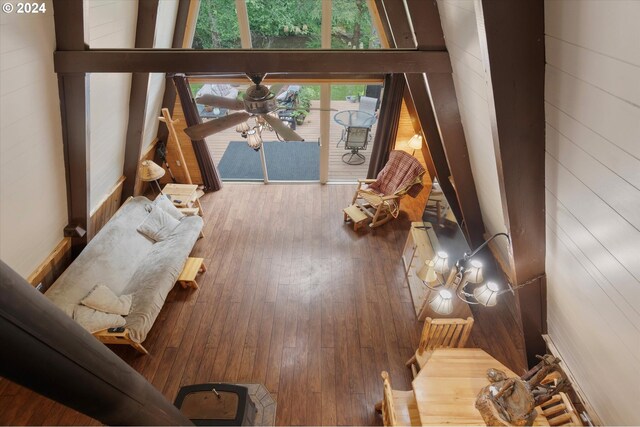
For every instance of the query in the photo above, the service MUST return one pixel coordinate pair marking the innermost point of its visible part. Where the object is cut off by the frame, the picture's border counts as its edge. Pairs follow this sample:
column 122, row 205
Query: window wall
column 284, row 24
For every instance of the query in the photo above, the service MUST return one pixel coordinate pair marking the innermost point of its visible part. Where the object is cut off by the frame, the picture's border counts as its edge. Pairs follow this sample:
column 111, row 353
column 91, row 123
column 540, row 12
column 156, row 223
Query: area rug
column 265, row 404
column 286, row 161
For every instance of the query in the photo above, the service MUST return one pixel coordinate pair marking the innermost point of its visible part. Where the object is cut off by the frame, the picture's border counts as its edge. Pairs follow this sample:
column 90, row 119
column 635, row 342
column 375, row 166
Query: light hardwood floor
column 294, row 299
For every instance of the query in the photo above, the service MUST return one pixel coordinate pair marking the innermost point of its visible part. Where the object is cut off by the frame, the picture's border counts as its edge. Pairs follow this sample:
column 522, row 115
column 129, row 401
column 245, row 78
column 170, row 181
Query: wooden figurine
column 513, row 401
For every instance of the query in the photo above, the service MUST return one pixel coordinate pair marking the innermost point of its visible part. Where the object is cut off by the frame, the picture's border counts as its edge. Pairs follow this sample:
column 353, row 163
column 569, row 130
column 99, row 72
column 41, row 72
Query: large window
column 284, row 24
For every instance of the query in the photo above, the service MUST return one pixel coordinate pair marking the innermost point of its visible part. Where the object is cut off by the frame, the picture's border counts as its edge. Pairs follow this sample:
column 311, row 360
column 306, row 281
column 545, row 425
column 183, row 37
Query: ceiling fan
column 258, row 102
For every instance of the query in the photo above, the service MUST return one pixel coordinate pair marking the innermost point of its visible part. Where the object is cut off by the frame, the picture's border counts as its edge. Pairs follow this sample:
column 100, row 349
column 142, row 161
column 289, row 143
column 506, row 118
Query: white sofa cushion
column 167, row 205
column 94, row 320
column 103, row 299
column 158, row 225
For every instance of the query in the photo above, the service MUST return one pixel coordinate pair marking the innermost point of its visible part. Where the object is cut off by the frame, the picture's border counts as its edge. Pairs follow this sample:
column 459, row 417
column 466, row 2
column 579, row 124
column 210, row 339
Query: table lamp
column 150, row 171
column 415, row 143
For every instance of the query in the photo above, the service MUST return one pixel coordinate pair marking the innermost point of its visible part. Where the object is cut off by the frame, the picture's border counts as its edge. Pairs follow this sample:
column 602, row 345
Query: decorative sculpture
column 513, row 401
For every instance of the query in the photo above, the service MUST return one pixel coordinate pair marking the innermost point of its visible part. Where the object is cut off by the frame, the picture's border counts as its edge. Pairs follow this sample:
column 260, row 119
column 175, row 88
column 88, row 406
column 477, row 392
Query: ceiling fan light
column 442, row 303
column 243, row 127
column 254, row 139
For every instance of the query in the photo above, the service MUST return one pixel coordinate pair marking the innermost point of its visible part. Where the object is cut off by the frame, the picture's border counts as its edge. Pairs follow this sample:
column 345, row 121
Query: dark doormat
column 286, row 161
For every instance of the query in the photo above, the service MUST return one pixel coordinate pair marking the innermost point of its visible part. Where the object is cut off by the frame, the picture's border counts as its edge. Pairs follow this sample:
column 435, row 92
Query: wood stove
column 216, row 404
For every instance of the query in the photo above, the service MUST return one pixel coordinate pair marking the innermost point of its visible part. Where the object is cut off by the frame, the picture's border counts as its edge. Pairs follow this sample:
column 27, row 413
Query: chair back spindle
column 444, row 333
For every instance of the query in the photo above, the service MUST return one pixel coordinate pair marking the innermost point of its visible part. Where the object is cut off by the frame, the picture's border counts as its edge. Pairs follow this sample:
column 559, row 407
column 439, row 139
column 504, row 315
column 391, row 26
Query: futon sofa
column 127, row 262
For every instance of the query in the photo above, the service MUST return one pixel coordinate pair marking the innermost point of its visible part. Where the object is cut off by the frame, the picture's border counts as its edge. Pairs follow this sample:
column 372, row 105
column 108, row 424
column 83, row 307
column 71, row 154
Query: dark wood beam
column 169, row 97
column 145, row 32
column 46, row 351
column 445, row 105
column 428, row 28
column 437, row 108
column 512, row 43
column 420, row 95
column 251, row 61
column 73, row 89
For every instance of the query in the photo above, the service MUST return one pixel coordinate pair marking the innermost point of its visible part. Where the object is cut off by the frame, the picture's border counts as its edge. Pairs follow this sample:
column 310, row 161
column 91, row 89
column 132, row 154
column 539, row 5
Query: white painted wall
column 461, row 36
column 165, row 22
column 111, row 24
column 593, row 198
column 33, row 204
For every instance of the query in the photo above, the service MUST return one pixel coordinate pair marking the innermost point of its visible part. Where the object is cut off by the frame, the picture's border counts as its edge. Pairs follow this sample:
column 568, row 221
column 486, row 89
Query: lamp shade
column 254, row 139
column 440, row 262
column 474, row 272
column 243, row 127
column 442, row 303
column 150, row 171
column 487, row 294
column 415, row 143
column 426, row 273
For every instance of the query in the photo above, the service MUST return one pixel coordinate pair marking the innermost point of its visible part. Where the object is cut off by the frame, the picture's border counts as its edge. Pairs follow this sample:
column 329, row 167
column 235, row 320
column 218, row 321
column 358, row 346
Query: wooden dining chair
column 440, row 333
column 398, row 407
column 559, row 411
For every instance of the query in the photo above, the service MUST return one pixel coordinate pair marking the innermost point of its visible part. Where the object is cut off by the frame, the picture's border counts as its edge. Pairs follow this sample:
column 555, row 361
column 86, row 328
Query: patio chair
column 378, row 200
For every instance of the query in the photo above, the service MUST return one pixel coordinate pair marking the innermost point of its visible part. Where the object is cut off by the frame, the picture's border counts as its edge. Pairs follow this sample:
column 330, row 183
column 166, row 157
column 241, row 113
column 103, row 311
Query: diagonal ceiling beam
column 437, row 108
column 145, row 32
column 512, row 45
column 250, row 61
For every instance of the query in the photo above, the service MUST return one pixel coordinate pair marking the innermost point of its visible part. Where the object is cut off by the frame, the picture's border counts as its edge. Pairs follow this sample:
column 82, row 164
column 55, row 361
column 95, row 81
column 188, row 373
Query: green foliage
column 284, row 24
column 217, row 25
column 340, row 92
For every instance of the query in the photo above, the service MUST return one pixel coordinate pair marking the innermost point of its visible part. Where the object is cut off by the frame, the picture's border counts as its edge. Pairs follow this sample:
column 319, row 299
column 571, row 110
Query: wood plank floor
column 293, row 299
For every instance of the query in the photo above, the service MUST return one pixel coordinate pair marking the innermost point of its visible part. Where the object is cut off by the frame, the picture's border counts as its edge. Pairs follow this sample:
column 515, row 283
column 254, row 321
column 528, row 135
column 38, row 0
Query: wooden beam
column 73, row 89
column 442, row 123
column 251, row 61
column 46, row 351
column 145, row 32
column 445, row 105
column 308, row 78
column 426, row 24
column 420, row 96
column 512, row 45
column 243, row 24
column 169, row 97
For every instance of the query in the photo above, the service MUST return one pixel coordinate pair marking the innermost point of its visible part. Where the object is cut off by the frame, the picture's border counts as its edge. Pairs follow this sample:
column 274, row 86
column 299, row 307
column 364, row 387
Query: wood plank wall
column 53, row 266
column 107, row 207
column 593, row 198
column 187, row 151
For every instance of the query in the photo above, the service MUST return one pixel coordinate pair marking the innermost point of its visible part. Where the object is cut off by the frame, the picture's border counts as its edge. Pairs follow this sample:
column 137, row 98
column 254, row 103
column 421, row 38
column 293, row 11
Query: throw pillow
column 158, row 225
column 94, row 321
column 167, row 205
column 103, row 299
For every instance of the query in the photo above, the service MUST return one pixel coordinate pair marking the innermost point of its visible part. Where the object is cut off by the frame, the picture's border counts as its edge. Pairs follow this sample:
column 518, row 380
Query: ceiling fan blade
column 283, row 130
column 203, row 130
column 220, row 101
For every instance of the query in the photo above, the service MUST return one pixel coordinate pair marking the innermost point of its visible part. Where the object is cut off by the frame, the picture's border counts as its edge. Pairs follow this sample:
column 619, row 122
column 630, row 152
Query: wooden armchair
column 378, row 199
column 559, row 411
column 440, row 333
column 398, row 408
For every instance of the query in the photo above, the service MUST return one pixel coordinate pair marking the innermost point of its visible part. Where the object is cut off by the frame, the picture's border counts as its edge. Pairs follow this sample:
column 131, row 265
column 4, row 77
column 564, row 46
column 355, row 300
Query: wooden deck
column 310, row 131
column 293, row 299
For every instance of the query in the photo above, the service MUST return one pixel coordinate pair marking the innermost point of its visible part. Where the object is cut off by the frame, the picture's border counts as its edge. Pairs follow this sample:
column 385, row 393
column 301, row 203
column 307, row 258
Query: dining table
column 447, row 386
